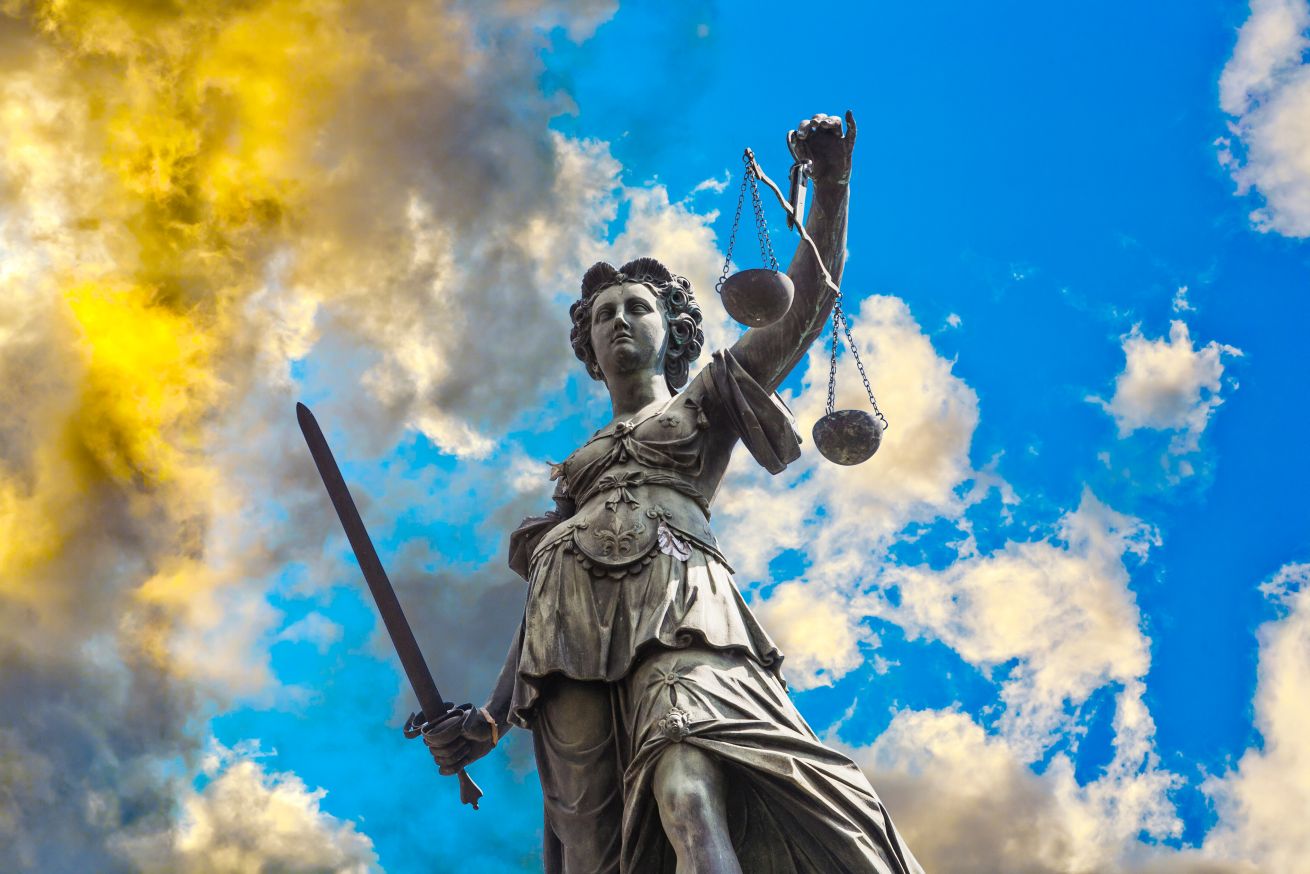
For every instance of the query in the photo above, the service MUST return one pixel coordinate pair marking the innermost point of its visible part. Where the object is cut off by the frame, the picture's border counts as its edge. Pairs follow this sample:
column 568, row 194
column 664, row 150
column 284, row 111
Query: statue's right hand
column 462, row 736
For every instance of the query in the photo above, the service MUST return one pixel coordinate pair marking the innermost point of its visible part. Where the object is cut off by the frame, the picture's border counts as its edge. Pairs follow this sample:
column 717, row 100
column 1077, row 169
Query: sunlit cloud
column 1168, row 384
column 1259, row 799
column 1265, row 88
column 247, row 818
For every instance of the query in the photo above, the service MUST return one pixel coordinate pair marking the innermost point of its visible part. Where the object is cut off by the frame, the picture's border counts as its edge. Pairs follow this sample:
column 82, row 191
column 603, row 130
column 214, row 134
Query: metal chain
column 761, row 224
column 832, row 367
column 868, row 389
column 732, row 238
column 839, row 317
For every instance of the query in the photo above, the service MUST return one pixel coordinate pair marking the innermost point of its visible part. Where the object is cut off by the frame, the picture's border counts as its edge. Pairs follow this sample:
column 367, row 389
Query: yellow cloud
column 147, row 378
column 191, row 194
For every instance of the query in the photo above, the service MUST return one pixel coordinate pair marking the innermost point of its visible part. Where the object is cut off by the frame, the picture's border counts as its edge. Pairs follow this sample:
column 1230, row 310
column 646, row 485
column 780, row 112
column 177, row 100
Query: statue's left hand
column 820, row 140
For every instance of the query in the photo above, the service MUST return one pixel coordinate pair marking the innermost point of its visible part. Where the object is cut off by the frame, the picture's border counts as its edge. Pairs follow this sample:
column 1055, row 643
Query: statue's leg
column 577, row 759
column 691, row 792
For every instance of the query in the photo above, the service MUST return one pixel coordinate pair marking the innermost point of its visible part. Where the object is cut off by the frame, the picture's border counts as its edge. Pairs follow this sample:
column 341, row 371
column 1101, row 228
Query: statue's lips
column 622, row 338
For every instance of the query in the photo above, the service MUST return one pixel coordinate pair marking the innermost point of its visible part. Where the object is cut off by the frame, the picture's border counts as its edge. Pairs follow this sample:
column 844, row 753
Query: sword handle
column 469, row 793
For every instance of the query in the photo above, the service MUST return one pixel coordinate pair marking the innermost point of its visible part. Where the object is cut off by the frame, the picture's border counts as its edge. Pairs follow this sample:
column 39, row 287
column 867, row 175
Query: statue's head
column 636, row 317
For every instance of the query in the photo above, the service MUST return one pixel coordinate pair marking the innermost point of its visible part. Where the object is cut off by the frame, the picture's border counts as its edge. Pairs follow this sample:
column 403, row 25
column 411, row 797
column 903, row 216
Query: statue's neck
column 630, row 393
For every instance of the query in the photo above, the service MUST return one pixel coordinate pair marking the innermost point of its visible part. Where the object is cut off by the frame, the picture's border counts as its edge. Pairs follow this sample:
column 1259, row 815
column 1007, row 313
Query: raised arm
column 769, row 353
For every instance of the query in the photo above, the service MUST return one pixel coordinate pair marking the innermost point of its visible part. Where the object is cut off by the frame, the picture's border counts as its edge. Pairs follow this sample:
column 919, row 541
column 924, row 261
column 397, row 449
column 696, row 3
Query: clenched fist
column 821, row 141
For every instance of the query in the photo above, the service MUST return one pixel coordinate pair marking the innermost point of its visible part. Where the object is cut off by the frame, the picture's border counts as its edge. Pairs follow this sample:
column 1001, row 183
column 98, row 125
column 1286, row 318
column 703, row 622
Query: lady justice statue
column 664, row 736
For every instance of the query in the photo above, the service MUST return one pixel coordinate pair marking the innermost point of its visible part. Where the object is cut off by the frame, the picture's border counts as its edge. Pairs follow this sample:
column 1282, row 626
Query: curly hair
column 673, row 291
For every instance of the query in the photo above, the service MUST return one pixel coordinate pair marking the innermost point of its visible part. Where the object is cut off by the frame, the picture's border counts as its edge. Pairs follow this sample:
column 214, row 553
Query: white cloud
column 817, row 632
column 842, row 519
column 1265, row 87
column 312, row 628
column 1054, row 615
column 968, row 804
column 1059, row 608
column 1263, row 802
column 1180, row 302
column 848, row 515
column 249, row 820
column 1168, row 384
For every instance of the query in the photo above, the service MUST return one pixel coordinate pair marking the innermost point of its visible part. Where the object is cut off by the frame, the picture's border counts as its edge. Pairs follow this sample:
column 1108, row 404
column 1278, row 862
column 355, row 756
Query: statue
column 664, row 736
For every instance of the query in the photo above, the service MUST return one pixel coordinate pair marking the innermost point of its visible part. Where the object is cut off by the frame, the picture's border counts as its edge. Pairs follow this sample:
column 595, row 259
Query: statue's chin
column 627, row 358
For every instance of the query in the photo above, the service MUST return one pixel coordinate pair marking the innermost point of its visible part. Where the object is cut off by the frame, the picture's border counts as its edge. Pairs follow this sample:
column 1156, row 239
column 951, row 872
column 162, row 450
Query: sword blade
column 402, row 638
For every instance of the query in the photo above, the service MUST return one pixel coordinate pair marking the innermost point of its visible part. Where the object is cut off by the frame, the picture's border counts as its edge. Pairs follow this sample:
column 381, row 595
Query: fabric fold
column 765, row 425
column 524, row 539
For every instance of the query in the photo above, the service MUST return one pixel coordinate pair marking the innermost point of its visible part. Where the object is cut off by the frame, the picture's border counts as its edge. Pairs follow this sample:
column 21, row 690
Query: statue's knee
column 689, row 789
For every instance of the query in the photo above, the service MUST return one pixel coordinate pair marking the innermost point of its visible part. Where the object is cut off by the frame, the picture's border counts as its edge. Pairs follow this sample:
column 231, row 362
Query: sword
column 402, row 638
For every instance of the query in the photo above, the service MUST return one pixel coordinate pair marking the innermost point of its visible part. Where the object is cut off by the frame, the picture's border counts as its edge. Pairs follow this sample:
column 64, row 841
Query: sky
column 1061, row 619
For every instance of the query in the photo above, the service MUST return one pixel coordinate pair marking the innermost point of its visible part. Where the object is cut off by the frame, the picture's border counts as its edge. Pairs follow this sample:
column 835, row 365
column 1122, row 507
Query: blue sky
column 1047, row 174
column 1061, row 618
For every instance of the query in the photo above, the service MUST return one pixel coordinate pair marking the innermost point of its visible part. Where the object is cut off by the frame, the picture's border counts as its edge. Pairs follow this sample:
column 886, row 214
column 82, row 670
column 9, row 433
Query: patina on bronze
column 758, row 296
column 847, row 436
column 664, row 736
column 430, row 702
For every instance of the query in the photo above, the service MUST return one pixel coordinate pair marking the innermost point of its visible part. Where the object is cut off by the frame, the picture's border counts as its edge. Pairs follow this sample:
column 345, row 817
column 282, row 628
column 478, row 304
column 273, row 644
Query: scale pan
column 757, row 297
column 847, row 436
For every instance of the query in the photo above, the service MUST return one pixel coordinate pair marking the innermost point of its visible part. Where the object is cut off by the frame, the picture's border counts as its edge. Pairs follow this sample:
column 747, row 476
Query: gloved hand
column 464, row 735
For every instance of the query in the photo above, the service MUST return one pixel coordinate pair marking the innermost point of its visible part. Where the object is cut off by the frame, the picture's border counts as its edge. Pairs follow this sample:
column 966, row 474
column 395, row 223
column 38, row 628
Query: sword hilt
column 469, row 793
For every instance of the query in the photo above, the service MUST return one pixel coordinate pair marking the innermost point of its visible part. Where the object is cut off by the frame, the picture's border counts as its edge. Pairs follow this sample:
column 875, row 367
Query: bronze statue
column 664, row 736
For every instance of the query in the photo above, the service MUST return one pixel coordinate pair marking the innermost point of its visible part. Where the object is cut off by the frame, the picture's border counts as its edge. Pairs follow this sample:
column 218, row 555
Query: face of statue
column 629, row 330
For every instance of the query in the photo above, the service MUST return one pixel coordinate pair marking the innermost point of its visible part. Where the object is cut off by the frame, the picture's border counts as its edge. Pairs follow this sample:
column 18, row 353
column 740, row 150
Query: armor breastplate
column 627, row 520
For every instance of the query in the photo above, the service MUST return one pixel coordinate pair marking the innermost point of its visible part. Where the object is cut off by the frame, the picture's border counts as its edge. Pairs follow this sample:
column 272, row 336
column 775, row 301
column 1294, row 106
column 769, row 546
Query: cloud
column 968, row 804
column 1262, row 800
column 817, row 631
column 1051, row 619
column 182, row 217
column 1059, row 610
column 1168, row 384
column 968, row 801
column 312, row 628
column 1265, row 87
column 923, row 459
column 843, row 519
column 248, row 819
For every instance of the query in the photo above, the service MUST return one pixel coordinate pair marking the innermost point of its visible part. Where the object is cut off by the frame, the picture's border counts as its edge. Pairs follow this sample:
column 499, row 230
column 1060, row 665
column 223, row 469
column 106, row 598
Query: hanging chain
column 732, row 238
column 832, row 367
column 761, row 224
column 749, row 181
column 855, row 353
column 839, row 317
